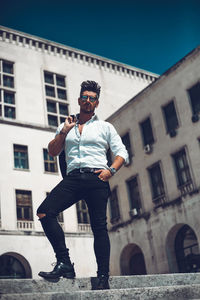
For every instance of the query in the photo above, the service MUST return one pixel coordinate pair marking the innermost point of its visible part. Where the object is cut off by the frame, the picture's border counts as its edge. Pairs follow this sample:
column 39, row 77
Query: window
column 82, row 212
column 50, row 162
column 50, row 91
column 114, row 206
column 24, row 205
column 147, row 133
column 56, row 98
column 8, row 67
column 157, row 185
column 8, row 81
column 11, row 267
column 7, row 92
column 60, row 80
column 126, row 141
column 183, row 174
column 187, row 250
column 21, row 157
column 170, row 116
column 9, row 97
column 182, row 167
column 134, row 195
column 194, row 93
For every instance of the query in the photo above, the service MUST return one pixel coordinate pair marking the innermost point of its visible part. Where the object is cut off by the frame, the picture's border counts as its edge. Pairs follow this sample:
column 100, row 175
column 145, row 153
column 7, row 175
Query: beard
column 87, row 109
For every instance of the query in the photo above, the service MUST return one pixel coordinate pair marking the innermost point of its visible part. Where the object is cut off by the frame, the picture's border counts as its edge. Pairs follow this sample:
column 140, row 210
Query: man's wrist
column 63, row 132
column 112, row 171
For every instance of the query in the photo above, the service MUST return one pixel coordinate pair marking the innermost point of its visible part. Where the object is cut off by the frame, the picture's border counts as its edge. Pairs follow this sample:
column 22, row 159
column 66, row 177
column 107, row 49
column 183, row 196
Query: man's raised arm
column 56, row 145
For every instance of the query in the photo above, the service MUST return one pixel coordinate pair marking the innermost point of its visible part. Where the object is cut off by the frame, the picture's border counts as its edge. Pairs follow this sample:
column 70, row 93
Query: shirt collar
column 94, row 118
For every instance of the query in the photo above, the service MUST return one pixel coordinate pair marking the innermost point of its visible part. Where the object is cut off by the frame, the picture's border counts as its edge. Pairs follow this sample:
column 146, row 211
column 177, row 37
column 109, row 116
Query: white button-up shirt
column 88, row 149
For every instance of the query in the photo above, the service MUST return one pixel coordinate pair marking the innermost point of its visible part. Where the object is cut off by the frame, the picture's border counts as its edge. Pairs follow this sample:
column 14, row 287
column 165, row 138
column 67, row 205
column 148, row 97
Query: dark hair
column 90, row 85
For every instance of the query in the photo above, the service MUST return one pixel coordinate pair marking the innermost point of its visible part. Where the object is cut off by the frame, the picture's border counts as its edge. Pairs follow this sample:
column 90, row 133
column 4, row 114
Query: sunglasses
column 91, row 99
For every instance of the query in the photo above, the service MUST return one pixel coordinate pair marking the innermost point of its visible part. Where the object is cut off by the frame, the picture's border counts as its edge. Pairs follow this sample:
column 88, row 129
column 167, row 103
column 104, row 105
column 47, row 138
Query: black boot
column 102, row 283
column 60, row 270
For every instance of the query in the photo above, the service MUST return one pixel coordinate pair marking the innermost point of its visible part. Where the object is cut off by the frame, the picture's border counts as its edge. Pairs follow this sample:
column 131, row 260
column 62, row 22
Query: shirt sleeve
column 115, row 143
column 58, row 130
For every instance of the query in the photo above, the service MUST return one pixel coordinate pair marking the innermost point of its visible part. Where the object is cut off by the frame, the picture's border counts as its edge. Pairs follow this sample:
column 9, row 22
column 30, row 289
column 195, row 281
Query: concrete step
column 14, row 286
column 181, row 292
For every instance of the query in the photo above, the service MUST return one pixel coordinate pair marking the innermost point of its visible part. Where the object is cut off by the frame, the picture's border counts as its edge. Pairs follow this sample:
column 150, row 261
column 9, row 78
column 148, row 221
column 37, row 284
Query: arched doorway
column 132, row 261
column 13, row 265
column 187, row 250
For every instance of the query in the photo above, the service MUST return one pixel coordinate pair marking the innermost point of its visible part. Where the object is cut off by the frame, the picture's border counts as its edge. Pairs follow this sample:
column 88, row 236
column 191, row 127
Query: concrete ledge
column 159, row 293
column 14, row 286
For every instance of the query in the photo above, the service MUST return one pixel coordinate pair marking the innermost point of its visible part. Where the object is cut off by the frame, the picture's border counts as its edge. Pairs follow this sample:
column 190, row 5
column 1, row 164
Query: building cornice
column 156, row 82
column 39, row 233
column 26, row 125
column 21, row 39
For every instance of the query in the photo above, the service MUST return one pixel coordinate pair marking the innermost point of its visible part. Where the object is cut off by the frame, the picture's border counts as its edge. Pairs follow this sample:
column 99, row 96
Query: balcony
column 25, row 225
column 84, row 227
column 186, row 188
column 159, row 200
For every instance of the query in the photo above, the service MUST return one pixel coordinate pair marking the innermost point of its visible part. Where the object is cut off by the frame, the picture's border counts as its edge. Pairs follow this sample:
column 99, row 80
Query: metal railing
column 161, row 199
column 186, row 188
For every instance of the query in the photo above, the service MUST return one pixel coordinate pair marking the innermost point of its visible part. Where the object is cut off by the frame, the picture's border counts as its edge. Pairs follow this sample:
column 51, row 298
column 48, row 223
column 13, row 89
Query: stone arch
column 181, row 258
column 14, row 262
column 132, row 260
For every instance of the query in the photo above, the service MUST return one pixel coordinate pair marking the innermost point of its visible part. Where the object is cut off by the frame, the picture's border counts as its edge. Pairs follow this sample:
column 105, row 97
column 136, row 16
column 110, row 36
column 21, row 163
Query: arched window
column 187, row 250
column 11, row 267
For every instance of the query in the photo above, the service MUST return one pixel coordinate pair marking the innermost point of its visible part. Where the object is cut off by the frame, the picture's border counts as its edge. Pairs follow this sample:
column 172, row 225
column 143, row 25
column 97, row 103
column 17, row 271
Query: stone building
column 155, row 203
column 39, row 85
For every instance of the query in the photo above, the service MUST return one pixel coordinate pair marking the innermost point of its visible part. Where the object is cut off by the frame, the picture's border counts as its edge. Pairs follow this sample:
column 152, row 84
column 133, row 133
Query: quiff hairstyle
column 90, row 85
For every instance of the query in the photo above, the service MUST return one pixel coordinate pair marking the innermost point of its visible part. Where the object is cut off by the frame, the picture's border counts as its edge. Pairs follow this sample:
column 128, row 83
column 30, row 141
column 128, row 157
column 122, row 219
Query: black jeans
column 70, row 190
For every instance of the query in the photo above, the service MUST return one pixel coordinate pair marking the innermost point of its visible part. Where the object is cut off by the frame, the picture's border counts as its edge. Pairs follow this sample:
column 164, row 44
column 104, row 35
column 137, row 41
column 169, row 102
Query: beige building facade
column 155, row 203
column 39, row 85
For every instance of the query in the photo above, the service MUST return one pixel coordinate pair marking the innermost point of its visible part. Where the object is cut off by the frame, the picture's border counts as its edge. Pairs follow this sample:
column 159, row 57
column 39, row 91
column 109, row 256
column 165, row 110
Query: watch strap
column 112, row 171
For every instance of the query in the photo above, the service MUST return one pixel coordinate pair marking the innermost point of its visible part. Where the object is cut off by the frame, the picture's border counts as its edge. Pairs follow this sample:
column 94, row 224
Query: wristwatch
column 112, row 171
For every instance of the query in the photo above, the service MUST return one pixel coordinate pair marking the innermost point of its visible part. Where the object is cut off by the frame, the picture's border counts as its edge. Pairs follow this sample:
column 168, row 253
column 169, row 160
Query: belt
column 83, row 170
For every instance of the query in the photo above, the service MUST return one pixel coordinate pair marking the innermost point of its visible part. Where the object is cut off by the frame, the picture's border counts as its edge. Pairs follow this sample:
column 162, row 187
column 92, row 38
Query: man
column 85, row 140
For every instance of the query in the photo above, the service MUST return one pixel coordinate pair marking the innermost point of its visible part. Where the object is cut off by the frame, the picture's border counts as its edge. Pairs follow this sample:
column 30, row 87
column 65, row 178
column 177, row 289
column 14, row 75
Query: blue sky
column 148, row 34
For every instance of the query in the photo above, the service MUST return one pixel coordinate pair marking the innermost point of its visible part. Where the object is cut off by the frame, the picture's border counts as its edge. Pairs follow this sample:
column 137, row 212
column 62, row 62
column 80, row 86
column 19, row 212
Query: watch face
column 113, row 171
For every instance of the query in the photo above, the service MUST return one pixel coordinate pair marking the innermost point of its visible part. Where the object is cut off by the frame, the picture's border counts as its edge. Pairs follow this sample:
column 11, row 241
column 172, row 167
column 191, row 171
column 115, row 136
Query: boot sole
column 66, row 275
column 69, row 275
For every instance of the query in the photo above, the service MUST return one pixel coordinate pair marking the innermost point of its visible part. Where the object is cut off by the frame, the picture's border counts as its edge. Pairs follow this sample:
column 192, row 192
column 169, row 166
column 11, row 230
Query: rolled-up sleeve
column 59, row 128
column 116, row 145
